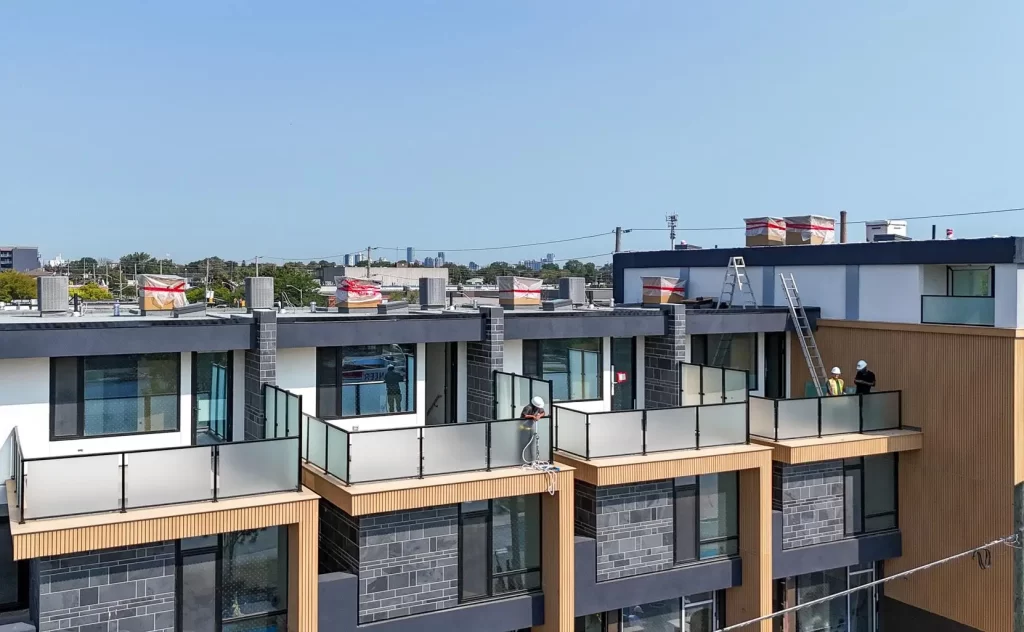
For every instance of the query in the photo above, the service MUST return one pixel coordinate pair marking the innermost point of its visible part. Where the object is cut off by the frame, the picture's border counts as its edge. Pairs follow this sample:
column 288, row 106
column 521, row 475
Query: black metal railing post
column 899, row 409
column 722, row 371
column 420, row 434
column 747, row 441
column 348, row 452
column 298, row 443
column 819, row 417
column 487, row 443
column 215, row 456
column 696, row 427
column 643, row 432
column 21, row 518
column 586, row 430
column 775, row 417
column 124, row 466
column 860, row 413
column 327, row 450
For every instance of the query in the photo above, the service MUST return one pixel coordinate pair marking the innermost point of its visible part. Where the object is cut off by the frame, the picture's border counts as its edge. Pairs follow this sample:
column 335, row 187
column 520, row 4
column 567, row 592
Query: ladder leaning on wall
column 803, row 330
column 735, row 279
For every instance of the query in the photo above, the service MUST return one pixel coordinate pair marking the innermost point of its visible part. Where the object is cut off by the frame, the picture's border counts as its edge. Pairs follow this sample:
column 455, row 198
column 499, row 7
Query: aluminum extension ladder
column 803, row 329
column 735, row 279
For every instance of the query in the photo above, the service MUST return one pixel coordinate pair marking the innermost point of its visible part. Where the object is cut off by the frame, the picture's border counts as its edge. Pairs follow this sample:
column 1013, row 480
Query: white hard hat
column 538, row 402
column 836, row 371
column 862, row 365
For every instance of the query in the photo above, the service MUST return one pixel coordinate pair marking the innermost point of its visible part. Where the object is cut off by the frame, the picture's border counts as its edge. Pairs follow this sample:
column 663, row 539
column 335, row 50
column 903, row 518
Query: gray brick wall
column 811, row 501
column 260, row 369
column 339, row 540
column 586, row 509
column 633, row 526
column 482, row 360
column 115, row 590
column 662, row 355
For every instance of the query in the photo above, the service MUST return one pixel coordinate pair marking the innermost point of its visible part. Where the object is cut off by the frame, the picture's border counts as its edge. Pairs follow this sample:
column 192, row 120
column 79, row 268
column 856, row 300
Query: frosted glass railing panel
column 958, row 310
column 613, row 434
column 270, row 408
column 543, row 430
column 503, row 396
column 840, row 415
column 316, row 441
column 762, row 417
column 671, row 429
column 690, row 384
column 62, row 487
column 337, row 452
column 384, row 455
column 881, row 411
column 735, row 386
column 712, row 384
column 797, row 418
column 725, row 424
column 454, row 448
column 294, row 412
column 521, row 395
column 258, row 467
column 279, row 429
column 571, row 431
column 168, row 477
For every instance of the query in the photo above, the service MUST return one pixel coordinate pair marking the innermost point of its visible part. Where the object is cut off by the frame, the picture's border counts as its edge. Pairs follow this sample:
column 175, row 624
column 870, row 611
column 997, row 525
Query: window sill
column 707, row 560
column 143, row 433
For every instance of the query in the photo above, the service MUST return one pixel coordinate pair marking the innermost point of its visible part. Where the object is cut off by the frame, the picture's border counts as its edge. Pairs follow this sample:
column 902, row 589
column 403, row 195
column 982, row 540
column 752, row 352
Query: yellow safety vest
column 836, row 386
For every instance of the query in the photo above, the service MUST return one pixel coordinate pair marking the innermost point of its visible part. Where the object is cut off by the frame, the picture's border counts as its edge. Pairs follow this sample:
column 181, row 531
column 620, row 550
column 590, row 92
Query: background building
column 19, row 258
column 410, row 254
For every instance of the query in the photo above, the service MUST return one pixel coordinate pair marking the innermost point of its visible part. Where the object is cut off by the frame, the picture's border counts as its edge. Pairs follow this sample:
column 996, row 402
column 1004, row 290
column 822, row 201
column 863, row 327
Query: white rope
column 541, row 466
column 1009, row 540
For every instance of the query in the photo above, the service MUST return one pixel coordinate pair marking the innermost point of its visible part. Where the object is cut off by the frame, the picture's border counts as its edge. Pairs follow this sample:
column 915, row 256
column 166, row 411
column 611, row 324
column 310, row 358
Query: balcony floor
column 621, row 470
column 843, row 446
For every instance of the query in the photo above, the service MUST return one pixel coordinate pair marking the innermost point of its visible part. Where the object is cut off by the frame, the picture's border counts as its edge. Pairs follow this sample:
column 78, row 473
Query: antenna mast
column 672, row 221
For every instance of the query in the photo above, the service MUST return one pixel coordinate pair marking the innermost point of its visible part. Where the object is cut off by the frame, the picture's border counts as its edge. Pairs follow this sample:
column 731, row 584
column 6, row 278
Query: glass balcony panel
column 798, row 418
column 881, row 411
column 690, row 384
column 735, row 386
column 840, row 415
column 258, row 467
column 725, row 424
column 572, row 431
column 762, row 417
column 278, row 429
column 316, row 440
column 617, row 433
column 384, row 455
column 712, row 385
column 454, row 448
column 958, row 310
column 503, row 405
column 337, row 452
column 671, row 429
column 62, row 487
column 167, row 477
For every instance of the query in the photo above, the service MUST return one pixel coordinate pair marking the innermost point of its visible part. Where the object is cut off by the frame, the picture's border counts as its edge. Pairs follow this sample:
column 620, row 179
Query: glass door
column 775, row 364
column 211, row 398
column 623, row 373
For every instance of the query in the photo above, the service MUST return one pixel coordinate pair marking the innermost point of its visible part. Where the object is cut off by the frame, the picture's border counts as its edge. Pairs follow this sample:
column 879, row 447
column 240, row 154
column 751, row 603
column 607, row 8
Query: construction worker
column 865, row 379
column 393, row 385
column 528, row 418
column 836, row 385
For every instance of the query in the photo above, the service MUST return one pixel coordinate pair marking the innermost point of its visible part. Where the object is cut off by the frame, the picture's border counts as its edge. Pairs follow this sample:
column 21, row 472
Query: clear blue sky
column 304, row 129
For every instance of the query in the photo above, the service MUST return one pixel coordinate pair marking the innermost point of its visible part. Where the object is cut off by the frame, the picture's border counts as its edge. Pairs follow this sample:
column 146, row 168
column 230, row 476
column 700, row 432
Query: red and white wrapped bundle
column 661, row 290
column 765, row 231
column 518, row 290
column 161, row 292
column 353, row 292
column 810, row 229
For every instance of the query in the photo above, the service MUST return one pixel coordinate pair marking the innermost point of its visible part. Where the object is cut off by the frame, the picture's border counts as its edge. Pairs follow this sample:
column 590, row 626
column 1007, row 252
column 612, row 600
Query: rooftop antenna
column 672, row 221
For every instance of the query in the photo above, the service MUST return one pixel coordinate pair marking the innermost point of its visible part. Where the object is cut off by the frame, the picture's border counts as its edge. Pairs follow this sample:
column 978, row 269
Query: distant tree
column 91, row 292
column 16, row 286
column 196, row 295
column 296, row 283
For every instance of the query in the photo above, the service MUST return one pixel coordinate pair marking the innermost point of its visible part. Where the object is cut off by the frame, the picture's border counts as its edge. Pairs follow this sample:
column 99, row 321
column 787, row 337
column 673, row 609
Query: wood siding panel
column 842, row 446
column 959, row 386
column 665, row 465
column 753, row 597
column 559, row 557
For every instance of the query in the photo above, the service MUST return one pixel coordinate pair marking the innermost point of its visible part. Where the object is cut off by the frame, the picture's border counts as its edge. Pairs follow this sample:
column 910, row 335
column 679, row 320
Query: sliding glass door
column 211, row 397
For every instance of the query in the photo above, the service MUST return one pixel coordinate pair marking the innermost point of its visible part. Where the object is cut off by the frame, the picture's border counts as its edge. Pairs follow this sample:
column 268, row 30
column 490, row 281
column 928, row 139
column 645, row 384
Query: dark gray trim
column 710, row 321
column 897, row 616
column 990, row 250
column 852, row 292
column 593, row 596
column 338, row 608
column 581, row 324
column 81, row 339
column 323, row 332
column 873, row 547
column 768, row 291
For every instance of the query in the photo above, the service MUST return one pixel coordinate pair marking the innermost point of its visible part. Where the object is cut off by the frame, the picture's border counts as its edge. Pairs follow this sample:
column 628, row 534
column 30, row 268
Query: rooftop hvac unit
column 872, row 230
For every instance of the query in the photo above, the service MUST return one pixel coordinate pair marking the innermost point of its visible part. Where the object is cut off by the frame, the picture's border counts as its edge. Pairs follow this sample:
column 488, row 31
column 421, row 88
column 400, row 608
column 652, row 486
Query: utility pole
column 618, row 239
column 257, row 266
column 673, row 221
column 367, row 263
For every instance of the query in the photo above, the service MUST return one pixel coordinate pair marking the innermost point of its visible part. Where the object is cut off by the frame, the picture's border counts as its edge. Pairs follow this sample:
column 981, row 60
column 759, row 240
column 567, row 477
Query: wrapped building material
column 352, row 293
column 518, row 291
column 159, row 293
column 810, row 229
column 661, row 290
column 766, row 231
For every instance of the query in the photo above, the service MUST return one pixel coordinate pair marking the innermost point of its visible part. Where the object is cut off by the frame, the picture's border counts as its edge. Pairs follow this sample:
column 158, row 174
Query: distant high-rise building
column 473, row 266
column 360, row 258
column 19, row 258
column 550, row 258
column 439, row 262
column 410, row 254
column 350, row 260
column 428, row 262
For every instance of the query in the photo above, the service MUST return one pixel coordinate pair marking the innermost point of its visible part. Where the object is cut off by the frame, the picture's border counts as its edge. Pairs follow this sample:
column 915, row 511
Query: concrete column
column 482, row 360
column 662, row 355
column 260, row 369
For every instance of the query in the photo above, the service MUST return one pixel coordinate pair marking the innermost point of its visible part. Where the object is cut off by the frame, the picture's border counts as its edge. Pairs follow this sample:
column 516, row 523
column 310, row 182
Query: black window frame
column 218, row 550
column 339, row 358
column 536, row 370
column 701, row 342
column 229, row 386
column 951, row 270
column 491, row 575
column 855, row 466
column 680, row 486
column 80, row 401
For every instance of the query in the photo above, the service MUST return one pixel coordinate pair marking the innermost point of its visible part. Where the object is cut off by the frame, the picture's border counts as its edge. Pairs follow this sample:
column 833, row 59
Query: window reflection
column 366, row 380
column 573, row 365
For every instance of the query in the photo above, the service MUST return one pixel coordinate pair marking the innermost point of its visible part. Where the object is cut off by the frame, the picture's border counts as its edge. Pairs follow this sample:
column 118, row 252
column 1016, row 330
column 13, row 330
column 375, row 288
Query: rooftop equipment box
column 766, row 231
column 159, row 293
column 810, row 229
column 354, row 293
column 518, row 291
column 885, row 227
column 661, row 290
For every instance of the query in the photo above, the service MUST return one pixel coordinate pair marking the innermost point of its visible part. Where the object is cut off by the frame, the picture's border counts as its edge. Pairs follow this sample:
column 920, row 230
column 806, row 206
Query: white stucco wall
column 639, row 372
column 819, row 286
column 512, row 357
column 1006, row 291
column 890, row 294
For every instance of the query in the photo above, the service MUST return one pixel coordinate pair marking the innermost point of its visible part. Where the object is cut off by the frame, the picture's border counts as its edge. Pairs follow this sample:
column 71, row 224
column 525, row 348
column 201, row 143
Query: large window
column 234, row 582
column 211, row 397
column 499, row 547
column 870, row 488
column 970, row 281
column 365, row 380
column 853, row 613
column 97, row 396
column 706, row 516
column 574, row 366
column 732, row 351
column 695, row 613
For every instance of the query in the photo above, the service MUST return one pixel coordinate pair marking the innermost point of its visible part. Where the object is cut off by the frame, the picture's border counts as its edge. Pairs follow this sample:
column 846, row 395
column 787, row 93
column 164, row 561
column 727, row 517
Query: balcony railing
column 703, row 384
column 281, row 411
column 958, row 310
column 513, row 392
column 641, row 432
column 397, row 453
column 781, row 419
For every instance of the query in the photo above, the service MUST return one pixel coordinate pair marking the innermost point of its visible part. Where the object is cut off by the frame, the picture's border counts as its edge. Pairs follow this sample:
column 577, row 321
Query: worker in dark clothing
column 531, row 414
column 865, row 379
column 393, row 385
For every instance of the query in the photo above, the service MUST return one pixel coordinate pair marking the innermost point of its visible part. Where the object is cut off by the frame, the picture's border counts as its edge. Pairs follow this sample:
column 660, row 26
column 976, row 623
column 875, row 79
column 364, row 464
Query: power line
column 1010, row 540
column 509, row 247
column 938, row 216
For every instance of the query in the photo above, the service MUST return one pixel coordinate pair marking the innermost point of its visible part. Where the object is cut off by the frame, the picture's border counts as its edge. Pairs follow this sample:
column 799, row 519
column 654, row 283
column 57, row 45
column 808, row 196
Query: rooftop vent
column 574, row 289
column 432, row 292
column 885, row 230
column 259, row 292
column 53, row 294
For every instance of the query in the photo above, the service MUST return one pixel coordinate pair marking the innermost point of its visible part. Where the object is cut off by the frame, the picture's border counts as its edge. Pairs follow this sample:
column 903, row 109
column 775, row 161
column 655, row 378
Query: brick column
column 482, row 359
column 662, row 355
column 260, row 369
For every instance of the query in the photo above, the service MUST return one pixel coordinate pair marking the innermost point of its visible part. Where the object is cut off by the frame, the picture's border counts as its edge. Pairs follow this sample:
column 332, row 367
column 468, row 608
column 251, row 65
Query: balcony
column 702, row 384
column 958, row 310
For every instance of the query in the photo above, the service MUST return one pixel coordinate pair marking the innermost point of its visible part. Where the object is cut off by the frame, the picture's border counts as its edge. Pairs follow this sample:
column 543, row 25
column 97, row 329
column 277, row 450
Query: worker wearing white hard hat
column 865, row 379
column 836, row 385
column 532, row 413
